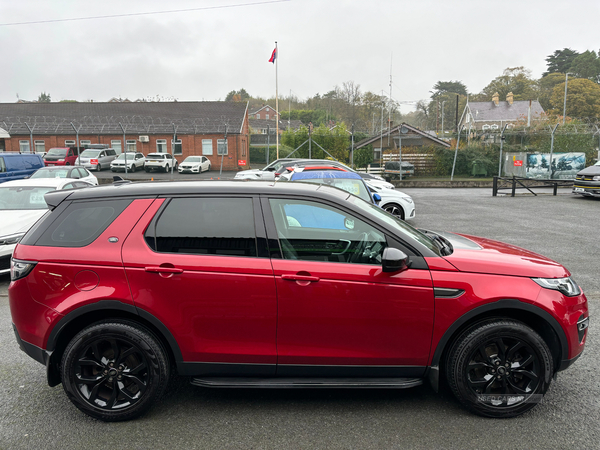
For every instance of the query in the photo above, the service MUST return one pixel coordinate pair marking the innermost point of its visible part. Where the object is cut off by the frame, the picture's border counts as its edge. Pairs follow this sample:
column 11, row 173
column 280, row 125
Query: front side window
column 205, row 226
column 161, row 145
column 314, row 231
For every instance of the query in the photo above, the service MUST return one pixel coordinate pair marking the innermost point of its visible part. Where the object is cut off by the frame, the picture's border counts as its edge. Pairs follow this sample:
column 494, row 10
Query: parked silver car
column 96, row 159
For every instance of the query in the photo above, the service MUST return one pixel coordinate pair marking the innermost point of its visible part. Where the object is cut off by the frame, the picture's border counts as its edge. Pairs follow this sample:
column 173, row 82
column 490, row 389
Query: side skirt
column 303, row 383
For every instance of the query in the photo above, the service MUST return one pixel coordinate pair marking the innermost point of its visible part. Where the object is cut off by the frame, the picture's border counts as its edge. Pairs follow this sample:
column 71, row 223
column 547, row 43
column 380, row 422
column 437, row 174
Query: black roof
column 136, row 118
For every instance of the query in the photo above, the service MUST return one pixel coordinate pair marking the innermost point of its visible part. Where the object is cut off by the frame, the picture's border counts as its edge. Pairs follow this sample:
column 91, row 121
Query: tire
column 114, row 370
column 395, row 210
column 147, row 170
column 208, row 170
column 499, row 368
column 132, row 168
column 98, row 167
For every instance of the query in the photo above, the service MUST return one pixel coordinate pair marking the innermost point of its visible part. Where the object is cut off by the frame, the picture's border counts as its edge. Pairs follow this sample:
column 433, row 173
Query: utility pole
column 443, row 118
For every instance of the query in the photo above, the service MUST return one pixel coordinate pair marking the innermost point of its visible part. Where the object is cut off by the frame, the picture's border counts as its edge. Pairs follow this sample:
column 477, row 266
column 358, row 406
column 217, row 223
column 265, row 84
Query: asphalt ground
column 565, row 228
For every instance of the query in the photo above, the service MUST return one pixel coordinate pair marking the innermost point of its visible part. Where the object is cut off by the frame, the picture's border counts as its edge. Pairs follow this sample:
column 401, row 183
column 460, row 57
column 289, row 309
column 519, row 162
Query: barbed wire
column 135, row 124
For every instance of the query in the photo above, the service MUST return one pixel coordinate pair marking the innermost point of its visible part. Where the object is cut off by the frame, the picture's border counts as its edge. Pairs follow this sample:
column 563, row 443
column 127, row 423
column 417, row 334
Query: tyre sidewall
column 158, row 368
column 467, row 343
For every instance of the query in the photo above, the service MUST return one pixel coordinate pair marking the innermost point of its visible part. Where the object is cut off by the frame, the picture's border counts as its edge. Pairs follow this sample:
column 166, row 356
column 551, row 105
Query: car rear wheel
column 499, row 368
column 114, row 370
column 395, row 210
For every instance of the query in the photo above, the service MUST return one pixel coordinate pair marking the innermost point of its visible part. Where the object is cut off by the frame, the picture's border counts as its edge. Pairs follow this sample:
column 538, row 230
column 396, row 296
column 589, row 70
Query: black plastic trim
column 447, row 292
column 500, row 304
column 33, row 351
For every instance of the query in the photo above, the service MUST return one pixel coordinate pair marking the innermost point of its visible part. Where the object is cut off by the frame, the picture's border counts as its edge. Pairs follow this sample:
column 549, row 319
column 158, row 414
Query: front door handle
column 300, row 278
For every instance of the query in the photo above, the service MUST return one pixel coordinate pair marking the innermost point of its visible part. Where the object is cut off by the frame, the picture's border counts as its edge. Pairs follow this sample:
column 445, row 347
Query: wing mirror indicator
column 394, row 260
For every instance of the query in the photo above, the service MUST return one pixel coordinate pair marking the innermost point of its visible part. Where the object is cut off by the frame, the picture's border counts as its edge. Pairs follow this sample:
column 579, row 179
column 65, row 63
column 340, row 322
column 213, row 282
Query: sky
column 211, row 47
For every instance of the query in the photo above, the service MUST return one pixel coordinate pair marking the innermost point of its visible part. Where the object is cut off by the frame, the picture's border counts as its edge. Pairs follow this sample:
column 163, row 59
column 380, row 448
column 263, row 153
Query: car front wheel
column 499, row 368
column 114, row 370
column 395, row 210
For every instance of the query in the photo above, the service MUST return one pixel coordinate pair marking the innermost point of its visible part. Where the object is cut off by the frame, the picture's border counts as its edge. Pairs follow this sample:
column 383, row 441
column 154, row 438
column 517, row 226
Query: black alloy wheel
column 395, row 210
column 500, row 368
column 114, row 371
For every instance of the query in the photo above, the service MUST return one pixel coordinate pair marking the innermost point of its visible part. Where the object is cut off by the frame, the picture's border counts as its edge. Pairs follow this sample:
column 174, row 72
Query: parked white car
column 135, row 161
column 395, row 202
column 194, row 164
column 21, row 205
column 75, row 172
column 160, row 161
column 376, row 180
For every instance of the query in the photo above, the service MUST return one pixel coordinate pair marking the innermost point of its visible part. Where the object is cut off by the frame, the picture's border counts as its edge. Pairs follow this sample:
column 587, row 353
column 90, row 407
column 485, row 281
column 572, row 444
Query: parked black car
column 587, row 182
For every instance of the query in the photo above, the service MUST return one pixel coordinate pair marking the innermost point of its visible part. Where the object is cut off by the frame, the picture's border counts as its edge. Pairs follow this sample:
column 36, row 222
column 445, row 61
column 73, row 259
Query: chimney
column 496, row 98
column 509, row 98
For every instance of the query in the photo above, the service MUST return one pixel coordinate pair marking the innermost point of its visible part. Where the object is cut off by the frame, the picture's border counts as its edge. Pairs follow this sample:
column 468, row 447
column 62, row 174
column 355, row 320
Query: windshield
column 129, row 156
column 90, row 153
column 400, row 226
column 192, row 159
column 50, row 173
column 23, row 197
column 57, row 152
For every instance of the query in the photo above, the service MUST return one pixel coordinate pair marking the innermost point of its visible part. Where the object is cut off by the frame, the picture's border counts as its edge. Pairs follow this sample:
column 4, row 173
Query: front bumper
column 586, row 189
column 182, row 169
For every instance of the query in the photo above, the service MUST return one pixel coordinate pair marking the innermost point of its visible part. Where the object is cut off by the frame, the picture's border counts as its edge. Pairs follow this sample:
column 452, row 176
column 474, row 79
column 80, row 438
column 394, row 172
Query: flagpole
column 277, row 98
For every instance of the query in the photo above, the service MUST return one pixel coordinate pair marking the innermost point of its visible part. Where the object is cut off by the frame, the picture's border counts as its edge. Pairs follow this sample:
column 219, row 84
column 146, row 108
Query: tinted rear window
column 206, row 226
column 81, row 223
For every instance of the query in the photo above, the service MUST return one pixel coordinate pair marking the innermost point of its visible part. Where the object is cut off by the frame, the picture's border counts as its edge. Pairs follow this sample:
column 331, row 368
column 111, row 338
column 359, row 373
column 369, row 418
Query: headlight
column 11, row 239
column 408, row 200
column 20, row 269
column 565, row 285
column 61, row 160
column 596, row 178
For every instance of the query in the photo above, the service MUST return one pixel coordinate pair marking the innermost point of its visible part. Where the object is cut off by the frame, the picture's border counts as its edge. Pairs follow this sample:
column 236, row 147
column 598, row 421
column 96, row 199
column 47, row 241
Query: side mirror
column 376, row 198
column 393, row 260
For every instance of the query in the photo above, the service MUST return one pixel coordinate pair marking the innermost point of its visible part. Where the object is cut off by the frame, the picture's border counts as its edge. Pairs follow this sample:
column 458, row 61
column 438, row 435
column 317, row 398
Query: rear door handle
column 158, row 269
column 299, row 278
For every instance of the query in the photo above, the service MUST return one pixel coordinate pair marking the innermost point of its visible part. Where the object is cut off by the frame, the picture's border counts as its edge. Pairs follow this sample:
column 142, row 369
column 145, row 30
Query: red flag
column 273, row 56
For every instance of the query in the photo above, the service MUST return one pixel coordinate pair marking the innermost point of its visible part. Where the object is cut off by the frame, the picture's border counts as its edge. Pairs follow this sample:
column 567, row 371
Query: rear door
column 200, row 266
column 339, row 314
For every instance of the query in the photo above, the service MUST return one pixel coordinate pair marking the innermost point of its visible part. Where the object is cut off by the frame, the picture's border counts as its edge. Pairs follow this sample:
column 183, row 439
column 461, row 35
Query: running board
column 300, row 383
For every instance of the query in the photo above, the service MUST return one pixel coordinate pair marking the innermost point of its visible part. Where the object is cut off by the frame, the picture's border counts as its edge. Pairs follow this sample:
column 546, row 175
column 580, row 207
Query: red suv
column 281, row 285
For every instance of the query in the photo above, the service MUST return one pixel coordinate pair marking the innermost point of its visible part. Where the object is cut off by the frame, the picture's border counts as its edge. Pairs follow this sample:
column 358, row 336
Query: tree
column 587, row 65
column 516, row 80
column 448, row 87
column 560, row 61
column 238, row 96
column 44, row 98
column 546, row 88
column 583, row 98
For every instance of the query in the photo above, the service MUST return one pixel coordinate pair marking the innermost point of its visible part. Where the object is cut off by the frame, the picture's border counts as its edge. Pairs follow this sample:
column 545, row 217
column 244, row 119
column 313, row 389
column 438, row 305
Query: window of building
column 494, row 127
column 161, row 146
column 221, row 147
column 131, row 145
column 40, row 146
column 69, row 143
column 485, row 127
column 24, row 147
column 176, row 146
column 116, row 145
column 316, row 232
column 205, row 226
column 267, row 117
column 207, row 147
column 84, row 142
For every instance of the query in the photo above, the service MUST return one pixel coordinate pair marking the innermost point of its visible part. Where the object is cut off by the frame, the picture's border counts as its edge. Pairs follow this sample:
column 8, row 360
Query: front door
column 339, row 314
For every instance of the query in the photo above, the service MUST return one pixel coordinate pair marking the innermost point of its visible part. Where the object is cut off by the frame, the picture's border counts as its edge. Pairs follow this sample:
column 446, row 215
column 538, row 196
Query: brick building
column 265, row 113
column 200, row 128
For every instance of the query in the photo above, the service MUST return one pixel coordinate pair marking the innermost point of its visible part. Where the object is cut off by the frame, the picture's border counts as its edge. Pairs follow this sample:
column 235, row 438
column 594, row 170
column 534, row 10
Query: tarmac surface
column 563, row 227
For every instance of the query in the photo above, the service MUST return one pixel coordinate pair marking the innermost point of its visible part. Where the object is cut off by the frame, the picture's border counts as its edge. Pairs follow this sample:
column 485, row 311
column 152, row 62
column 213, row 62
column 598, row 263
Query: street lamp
column 565, row 102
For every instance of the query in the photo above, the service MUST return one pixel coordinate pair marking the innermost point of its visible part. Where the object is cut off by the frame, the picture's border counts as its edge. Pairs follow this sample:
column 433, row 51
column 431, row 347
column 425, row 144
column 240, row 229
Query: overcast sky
column 225, row 45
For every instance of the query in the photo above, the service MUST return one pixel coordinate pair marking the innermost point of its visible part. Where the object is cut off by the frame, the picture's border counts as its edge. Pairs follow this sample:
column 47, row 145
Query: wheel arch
column 75, row 321
column 539, row 320
column 397, row 205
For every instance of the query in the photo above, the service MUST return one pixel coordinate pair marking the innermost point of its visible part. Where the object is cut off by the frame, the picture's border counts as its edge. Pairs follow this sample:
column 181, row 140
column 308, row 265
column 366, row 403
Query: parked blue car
column 16, row 166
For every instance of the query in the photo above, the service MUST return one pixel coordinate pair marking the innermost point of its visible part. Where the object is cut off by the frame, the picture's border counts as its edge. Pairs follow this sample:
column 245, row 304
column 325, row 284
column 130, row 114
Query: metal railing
column 513, row 183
